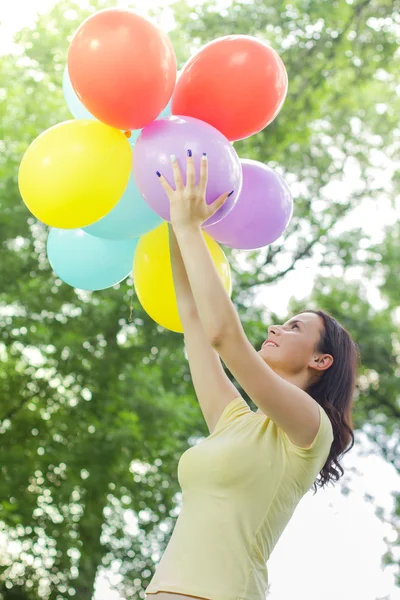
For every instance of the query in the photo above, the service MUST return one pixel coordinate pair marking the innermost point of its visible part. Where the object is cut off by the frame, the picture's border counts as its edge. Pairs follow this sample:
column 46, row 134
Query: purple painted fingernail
column 231, row 193
column 189, row 153
column 158, row 173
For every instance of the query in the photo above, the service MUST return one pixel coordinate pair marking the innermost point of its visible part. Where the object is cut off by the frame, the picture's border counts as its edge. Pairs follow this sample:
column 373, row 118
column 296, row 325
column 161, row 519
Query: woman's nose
column 273, row 329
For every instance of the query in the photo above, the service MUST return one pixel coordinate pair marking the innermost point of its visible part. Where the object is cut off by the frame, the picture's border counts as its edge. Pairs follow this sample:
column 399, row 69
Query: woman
column 242, row 484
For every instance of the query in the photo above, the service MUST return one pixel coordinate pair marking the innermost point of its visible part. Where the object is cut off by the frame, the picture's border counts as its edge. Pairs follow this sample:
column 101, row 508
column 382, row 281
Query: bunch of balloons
column 93, row 180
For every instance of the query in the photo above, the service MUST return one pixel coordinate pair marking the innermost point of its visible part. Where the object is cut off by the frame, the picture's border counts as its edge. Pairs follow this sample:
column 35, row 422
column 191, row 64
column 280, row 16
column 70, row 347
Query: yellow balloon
column 74, row 173
column 153, row 279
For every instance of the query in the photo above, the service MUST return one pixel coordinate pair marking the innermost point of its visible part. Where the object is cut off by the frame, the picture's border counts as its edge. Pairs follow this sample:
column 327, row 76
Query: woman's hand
column 188, row 207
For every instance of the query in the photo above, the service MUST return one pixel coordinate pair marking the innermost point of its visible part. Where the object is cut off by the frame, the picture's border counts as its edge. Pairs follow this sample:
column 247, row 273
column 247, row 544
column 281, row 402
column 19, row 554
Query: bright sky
column 333, row 545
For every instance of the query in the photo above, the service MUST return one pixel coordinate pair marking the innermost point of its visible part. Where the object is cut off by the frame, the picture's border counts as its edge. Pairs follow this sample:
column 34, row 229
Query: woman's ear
column 322, row 362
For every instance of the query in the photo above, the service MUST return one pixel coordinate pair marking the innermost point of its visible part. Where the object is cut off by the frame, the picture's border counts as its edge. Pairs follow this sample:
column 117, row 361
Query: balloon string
column 128, row 134
column 131, row 306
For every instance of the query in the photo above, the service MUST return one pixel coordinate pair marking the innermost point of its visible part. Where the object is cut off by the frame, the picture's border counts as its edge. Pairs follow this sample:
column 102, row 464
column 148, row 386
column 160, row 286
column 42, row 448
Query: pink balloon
column 176, row 135
column 262, row 212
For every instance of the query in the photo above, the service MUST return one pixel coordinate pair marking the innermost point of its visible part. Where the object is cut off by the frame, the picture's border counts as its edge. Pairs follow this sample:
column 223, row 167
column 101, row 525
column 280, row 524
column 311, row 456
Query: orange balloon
column 236, row 83
column 122, row 68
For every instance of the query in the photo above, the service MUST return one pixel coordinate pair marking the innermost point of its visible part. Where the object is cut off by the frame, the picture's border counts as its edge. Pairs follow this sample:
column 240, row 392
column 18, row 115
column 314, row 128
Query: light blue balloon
column 130, row 218
column 163, row 115
column 75, row 106
column 135, row 133
column 87, row 262
column 166, row 112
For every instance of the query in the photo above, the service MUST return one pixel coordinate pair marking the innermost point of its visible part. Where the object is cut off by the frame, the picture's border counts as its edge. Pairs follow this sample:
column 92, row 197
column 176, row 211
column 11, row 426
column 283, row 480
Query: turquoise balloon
column 163, row 115
column 130, row 218
column 134, row 136
column 166, row 112
column 87, row 262
column 75, row 106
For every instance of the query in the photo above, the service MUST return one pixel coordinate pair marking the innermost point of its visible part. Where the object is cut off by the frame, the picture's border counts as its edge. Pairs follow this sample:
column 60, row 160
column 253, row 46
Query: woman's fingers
column 179, row 185
column 168, row 189
column 190, row 174
column 190, row 171
column 203, row 173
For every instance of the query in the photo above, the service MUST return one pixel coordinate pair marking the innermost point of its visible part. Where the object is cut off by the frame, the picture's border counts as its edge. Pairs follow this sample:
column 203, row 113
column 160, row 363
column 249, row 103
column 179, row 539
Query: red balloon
column 122, row 68
column 236, row 83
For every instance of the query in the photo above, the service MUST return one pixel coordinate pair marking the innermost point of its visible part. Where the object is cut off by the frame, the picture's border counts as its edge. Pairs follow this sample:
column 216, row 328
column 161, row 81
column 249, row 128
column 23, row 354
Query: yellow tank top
column 240, row 487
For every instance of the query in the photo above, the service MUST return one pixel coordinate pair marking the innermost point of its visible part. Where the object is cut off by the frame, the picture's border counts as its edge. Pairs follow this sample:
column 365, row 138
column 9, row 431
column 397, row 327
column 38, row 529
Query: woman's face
column 293, row 350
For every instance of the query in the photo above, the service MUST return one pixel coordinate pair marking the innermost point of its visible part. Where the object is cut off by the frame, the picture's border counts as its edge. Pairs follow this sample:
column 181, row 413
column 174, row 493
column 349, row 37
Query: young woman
column 242, row 484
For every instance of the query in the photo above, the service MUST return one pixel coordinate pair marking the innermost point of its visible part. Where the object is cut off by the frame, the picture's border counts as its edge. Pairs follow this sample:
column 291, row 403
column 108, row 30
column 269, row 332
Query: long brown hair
column 334, row 391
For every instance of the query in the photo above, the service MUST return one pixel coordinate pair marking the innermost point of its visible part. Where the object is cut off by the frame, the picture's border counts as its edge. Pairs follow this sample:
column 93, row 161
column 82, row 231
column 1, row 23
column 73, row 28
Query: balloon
column 74, row 173
column 237, row 83
column 75, row 106
column 153, row 279
column 122, row 67
column 131, row 217
column 166, row 112
column 136, row 132
column 262, row 212
column 176, row 135
column 78, row 110
column 134, row 137
column 87, row 262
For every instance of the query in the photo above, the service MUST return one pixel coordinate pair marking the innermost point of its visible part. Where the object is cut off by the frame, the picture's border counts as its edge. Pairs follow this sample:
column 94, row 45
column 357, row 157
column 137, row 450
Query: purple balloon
column 176, row 135
column 262, row 212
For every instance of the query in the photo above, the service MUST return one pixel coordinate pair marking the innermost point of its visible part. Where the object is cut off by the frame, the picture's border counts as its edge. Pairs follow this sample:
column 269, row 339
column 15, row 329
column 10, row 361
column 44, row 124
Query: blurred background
column 96, row 409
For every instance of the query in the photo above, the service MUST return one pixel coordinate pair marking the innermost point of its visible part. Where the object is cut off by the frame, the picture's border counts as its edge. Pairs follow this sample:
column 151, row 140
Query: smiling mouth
column 270, row 344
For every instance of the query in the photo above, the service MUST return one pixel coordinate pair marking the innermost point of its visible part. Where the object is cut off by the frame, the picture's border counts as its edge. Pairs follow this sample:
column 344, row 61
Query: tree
column 96, row 409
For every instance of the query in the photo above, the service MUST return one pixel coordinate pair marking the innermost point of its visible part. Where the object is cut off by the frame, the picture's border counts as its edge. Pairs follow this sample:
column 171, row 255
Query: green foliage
column 87, row 396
